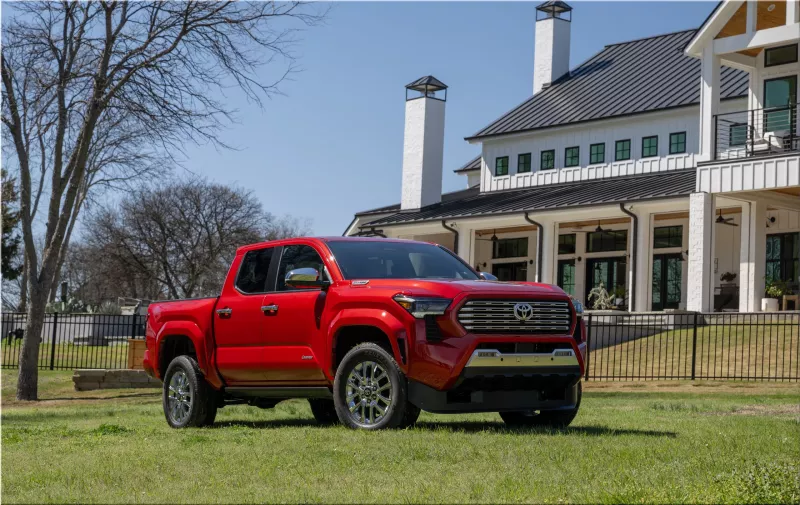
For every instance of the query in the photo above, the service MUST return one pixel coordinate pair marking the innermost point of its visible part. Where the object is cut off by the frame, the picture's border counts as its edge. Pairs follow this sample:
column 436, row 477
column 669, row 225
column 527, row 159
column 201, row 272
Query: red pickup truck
column 370, row 331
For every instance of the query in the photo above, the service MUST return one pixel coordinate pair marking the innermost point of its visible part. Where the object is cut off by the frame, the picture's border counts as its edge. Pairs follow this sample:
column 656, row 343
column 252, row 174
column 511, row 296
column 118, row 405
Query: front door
column 566, row 276
column 780, row 102
column 610, row 272
column 291, row 326
column 667, row 280
column 511, row 271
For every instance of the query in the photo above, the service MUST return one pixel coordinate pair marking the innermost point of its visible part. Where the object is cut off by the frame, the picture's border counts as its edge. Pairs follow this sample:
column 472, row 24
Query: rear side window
column 253, row 273
column 297, row 256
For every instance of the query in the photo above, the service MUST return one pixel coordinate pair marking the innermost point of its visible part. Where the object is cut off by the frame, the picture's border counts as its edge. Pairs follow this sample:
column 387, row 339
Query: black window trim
column 565, row 157
column 541, row 153
column 271, row 273
column 648, row 138
column 796, row 55
column 498, row 158
column 684, row 142
column 530, row 163
column 616, row 150
column 604, row 153
column 668, row 227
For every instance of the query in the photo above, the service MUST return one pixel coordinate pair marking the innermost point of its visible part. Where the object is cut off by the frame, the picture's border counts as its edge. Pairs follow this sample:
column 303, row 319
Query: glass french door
column 611, row 272
column 780, row 95
column 566, row 276
column 667, row 280
column 511, row 271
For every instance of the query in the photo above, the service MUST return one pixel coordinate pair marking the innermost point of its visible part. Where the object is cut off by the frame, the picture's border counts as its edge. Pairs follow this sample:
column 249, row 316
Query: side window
column 253, row 272
column 297, row 256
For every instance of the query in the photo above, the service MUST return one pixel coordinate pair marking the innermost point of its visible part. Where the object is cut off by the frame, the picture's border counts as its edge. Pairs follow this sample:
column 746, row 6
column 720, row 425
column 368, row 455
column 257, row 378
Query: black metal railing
column 70, row 341
column 715, row 346
column 756, row 132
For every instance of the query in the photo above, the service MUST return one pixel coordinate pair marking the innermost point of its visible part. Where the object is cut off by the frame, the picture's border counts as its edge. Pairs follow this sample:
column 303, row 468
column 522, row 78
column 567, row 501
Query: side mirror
column 487, row 276
column 305, row 278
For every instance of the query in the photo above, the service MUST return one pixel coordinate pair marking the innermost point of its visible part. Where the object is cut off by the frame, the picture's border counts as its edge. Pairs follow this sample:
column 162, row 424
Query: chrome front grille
column 498, row 316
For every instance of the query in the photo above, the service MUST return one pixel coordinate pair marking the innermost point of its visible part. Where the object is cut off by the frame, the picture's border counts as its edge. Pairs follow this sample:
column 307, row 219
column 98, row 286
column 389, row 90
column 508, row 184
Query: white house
column 665, row 168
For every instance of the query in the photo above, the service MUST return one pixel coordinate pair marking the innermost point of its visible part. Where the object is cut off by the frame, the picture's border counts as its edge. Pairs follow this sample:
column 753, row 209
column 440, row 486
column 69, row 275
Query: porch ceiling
column 613, row 190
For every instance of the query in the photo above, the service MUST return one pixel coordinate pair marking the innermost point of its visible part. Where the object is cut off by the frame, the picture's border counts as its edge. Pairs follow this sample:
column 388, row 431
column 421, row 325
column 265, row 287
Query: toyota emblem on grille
column 523, row 311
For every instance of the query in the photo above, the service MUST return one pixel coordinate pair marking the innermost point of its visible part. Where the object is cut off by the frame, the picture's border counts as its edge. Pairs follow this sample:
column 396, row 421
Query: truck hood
column 450, row 288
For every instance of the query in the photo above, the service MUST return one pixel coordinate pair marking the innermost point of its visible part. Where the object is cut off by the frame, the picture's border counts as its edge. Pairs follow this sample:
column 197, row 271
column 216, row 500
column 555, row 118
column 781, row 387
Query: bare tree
column 96, row 92
column 174, row 241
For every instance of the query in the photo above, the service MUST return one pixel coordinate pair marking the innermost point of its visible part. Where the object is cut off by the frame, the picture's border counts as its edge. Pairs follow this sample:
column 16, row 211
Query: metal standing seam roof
column 473, row 164
column 627, row 78
column 612, row 190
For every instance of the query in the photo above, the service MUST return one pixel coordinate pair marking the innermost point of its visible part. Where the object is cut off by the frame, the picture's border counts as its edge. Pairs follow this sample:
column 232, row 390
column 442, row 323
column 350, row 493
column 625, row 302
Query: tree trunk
column 23, row 288
column 27, row 382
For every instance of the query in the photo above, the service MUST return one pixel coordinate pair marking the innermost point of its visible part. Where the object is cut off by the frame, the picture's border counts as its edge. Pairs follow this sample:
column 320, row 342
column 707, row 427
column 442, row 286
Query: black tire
column 324, row 411
column 202, row 407
column 397, row 413
column 557, row 419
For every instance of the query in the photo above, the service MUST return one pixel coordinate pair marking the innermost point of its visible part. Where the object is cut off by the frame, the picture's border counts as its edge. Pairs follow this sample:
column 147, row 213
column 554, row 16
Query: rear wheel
column 187, row 399
column 370, row 391
column 324, row 411
column 558, row 419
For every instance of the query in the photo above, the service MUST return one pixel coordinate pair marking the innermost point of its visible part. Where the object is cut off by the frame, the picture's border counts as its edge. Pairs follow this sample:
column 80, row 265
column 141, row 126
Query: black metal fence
column 70, row 341
column 756, row 132
column 717, row 346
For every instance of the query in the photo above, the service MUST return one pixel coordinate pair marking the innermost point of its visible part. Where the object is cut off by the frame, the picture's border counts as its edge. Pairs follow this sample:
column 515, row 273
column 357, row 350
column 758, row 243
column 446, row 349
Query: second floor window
column 524, row 163
column 501, row 165
column 623, row 150
column 677, row 143
column 597, row 154
column 572, row 157
column 510, row 248
column 548, row 161
column 737, row 134
column 649, row 147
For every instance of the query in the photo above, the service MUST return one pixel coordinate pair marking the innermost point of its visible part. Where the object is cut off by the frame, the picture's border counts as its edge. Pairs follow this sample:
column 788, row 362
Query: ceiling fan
column 722, row 220
column 492, row 239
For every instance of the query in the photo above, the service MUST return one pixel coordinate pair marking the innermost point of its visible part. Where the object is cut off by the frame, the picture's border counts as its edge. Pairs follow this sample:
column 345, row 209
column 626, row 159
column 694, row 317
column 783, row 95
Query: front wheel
column 187, row 399
column 370, row 391
column 557, row 419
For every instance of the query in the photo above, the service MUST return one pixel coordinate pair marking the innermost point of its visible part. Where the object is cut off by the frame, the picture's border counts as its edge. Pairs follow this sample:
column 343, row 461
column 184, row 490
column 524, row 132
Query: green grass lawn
column 654, row 442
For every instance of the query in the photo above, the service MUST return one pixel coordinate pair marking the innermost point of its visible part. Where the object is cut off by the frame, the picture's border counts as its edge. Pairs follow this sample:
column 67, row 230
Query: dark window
column 677, row 143
column 623, row 150
column 297, row 256
column 510, row 248
column 566, row 244
column 780, row 55
column 511, row 271
column 667, row 236
column 548, row 161
column 783, row 258
column 524, row 163
column 737, row 134
column 780, row 99
column 649, row 147
column 253, row 271
column 386, row 259
column 572, row 157
column 566, row 276
column 597, row 153
column 501, row 165
column 607, row 240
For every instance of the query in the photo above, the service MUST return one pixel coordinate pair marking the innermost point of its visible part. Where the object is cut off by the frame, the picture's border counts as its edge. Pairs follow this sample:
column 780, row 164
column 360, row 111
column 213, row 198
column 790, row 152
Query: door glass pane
column 297, row 256
column 252, row 276
column 566, row 276
column 673, row 282
column 779, row 93
column 657, row 304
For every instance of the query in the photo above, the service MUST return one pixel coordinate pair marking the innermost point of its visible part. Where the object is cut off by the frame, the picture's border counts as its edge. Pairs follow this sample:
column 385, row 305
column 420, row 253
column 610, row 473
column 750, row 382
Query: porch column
column 709, row 101
column 644, row 256
column 753, row 256
column 465, row 243
column 550, row 243
column 701, row 223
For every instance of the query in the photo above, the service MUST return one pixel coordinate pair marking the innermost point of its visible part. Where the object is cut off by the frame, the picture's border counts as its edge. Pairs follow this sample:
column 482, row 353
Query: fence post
column 53, row 342
column 588, row 345
column 133, row 325
column 694, row 345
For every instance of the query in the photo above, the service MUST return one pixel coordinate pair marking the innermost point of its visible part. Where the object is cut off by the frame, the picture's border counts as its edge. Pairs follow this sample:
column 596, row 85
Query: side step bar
column 280, row 392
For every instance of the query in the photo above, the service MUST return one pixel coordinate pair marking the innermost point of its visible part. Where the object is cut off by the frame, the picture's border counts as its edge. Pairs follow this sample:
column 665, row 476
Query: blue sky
column 332, row 144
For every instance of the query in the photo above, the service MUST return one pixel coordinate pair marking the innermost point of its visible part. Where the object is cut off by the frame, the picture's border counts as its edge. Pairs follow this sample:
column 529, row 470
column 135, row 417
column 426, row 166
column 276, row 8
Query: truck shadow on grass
column 458, row 426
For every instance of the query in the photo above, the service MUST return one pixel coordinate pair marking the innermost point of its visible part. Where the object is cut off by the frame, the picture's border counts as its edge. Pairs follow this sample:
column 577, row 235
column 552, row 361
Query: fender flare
column 378, row 318
column 190, row 330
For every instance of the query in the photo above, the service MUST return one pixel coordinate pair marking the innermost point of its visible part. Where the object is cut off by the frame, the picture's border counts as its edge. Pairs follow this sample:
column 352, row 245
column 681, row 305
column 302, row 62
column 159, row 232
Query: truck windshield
column 397, row 260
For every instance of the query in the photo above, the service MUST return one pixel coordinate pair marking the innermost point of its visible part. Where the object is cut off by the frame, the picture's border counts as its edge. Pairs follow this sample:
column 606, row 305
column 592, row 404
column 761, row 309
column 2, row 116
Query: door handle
column 271, row 309
column 224, row 312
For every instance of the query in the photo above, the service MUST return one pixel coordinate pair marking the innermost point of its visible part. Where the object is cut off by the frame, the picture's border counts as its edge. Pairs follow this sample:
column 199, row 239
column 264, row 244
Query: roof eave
column 711, row 26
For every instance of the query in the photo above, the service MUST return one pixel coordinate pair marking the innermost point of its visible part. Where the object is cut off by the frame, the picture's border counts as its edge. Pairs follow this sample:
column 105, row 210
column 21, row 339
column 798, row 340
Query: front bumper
column 493, row 381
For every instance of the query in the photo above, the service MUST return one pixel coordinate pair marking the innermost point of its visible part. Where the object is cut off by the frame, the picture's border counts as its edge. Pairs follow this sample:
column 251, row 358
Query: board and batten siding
column 748, row 174
column 608, row 132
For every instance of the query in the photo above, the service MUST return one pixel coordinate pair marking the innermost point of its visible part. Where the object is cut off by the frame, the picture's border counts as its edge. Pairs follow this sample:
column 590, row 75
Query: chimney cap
column 427, row 83
column 554, row 9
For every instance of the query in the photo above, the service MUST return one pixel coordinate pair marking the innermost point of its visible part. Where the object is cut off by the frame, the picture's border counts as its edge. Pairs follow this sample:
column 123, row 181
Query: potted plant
column 619, row 296
column 600, row 299
column 772, row 293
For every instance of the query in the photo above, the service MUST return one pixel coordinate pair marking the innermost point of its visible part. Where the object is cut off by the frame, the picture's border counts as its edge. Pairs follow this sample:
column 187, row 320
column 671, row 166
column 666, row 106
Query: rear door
column 290, row 328
column 241, row 347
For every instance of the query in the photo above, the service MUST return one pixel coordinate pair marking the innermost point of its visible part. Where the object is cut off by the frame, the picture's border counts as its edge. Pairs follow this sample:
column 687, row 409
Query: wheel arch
column 351, row 329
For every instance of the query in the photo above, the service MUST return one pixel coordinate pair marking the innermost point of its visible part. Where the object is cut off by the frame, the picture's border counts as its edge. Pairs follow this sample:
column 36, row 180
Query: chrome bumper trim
column 494, row 358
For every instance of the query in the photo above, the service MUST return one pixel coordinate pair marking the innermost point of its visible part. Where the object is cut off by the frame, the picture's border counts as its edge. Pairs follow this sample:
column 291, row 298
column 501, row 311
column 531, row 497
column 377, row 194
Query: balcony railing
column 757, row 132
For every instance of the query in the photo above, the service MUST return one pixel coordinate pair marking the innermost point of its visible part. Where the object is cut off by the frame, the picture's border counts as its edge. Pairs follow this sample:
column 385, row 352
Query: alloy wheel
column 179, row 398
column 369, row 393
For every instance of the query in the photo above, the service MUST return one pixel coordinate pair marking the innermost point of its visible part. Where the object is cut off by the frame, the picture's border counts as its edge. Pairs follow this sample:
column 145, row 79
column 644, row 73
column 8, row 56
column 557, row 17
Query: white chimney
column 423, row 143
column 551, row 54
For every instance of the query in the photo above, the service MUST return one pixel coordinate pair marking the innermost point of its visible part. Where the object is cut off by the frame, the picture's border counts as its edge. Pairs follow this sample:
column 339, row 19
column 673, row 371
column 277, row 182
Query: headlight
column 578, row 305
column 421, row 307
